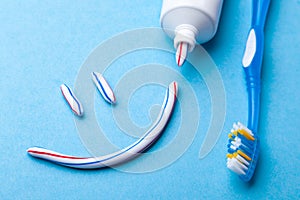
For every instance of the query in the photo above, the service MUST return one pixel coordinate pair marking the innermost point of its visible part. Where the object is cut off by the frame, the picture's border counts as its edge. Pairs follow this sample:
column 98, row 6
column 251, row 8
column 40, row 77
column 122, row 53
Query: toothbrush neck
column 253, row 105
column 259, row 12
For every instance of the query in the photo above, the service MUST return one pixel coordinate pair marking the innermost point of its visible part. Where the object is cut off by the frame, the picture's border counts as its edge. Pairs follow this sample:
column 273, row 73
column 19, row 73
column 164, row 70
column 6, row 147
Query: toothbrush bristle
column 242, row 151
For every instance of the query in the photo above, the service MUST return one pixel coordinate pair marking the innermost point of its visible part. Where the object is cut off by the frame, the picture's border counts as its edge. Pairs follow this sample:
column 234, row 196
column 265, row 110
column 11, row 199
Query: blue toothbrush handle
column 259, row 12
column 252, row 60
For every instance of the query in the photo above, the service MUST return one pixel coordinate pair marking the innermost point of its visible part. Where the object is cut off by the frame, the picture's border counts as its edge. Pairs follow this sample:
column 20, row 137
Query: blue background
column 44, row 43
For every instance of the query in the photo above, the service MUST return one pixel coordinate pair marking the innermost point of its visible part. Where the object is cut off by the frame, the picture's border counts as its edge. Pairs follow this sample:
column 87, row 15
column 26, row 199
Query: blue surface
column 44, row 43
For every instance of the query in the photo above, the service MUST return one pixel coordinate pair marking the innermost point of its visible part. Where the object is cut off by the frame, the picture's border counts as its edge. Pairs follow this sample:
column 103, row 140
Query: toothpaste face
column 120, row 156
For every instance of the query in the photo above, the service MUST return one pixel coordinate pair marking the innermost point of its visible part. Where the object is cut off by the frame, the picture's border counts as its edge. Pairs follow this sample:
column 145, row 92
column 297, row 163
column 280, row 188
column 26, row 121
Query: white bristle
column 242, row 160
column 232, row 147
column 236, row 143
column 238, row 163
column 234, row 168
column 242, row 126
column 235, row 126
column 237, row 139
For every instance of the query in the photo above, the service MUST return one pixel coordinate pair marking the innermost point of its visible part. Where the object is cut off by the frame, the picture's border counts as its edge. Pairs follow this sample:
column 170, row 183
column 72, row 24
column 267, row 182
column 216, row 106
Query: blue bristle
column 247, row 151
column 248, row 143
column 230, row 150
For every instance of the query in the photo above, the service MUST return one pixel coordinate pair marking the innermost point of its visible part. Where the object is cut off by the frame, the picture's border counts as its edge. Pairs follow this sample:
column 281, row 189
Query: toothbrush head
column 243, row 150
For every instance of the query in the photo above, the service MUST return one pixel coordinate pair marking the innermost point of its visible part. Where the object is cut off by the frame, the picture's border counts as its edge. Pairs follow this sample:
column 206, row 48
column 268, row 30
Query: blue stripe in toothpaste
column 72, row 100
column 103, row 87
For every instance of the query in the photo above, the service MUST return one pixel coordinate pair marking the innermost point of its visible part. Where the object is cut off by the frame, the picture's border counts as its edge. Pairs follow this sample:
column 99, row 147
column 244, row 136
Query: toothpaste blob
column 103, row 87
column 72, row 100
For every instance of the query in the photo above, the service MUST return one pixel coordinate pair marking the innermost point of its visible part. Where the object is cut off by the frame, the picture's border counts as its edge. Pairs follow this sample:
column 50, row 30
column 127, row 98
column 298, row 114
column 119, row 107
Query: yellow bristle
column 229, row 155
column 243, row 155
column 235, row 132
column 246, row 134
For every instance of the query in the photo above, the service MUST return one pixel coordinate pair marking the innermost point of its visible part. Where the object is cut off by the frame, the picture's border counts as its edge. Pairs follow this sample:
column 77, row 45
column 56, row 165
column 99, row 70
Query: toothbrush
column 243, row 146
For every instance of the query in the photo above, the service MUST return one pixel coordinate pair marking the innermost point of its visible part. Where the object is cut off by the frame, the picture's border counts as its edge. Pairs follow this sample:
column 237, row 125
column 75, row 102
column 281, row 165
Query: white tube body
column 190, row 21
